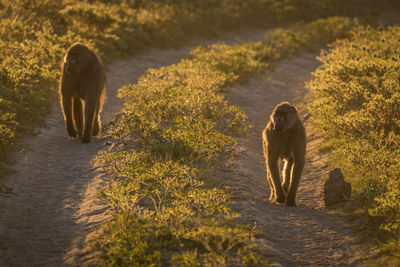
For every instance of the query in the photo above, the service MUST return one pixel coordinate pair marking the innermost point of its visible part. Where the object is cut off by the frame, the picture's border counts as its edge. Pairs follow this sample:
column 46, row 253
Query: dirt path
column 307, row 235
column 54, row 206
column 44, row 222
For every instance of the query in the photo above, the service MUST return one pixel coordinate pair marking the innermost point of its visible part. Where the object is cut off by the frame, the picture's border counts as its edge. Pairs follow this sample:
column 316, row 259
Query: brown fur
column 284, row 138
column 82, row 92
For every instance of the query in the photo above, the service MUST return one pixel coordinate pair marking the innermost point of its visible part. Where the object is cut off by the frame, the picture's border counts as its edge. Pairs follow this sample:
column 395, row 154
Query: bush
column 356, row 108
column 39, row 32
column 174, row 130
column 35, row 35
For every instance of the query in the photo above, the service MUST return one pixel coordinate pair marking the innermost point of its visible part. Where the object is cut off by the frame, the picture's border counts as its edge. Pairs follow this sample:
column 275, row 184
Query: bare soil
column 54, row 204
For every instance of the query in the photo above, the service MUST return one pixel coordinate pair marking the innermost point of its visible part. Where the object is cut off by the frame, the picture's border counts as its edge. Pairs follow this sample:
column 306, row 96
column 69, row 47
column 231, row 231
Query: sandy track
column 54, row 205
column 45, row 220
column 307, row 235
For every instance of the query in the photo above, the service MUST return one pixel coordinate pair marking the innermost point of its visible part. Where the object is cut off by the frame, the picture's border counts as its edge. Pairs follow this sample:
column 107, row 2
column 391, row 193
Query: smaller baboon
column 82, row 92
column 284, row 138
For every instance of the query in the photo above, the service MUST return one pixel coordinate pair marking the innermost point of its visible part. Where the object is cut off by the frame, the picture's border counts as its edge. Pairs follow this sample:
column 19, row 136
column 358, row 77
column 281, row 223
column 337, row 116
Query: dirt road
column 53, row 205
column 307, row 235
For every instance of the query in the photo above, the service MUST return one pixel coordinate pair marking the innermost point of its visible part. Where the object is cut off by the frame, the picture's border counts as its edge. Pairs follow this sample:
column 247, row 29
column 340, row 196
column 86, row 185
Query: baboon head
column 78, row 58
column 283, row 117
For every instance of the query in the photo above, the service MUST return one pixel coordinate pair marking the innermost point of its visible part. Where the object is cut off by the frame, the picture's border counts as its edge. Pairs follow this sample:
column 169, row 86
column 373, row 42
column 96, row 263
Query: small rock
column 336, row 189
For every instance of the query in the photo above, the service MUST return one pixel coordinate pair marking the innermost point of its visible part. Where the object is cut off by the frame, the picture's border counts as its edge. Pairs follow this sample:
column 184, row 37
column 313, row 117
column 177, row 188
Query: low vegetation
column 34, row 36
column 356, row 108
column 176, row 125
column 174, row 130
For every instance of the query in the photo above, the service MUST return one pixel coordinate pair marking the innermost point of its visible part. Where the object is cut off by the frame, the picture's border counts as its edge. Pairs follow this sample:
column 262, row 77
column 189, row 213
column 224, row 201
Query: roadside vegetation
column 34, row 36
column 357, row 111
column 176, row 127
column 174, row 131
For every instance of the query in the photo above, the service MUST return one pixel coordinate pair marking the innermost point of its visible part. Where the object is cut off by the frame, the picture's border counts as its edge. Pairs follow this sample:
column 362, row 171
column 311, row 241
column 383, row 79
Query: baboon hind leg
column 96, row 125
column 78, row 115
column 97, row 122
column 286, row 173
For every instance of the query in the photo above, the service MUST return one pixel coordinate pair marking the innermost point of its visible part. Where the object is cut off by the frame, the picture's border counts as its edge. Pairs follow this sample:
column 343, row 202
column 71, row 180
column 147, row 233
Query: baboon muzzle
column 277, row 127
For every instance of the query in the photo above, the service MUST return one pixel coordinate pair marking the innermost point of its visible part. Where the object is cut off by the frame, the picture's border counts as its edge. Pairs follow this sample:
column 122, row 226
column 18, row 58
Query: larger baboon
column 82, row 87
column 284, row 138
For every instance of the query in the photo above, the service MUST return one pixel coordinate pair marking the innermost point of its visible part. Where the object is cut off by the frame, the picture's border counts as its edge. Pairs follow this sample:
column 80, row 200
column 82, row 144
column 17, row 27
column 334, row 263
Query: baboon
column 284, row 138
column 82, row 87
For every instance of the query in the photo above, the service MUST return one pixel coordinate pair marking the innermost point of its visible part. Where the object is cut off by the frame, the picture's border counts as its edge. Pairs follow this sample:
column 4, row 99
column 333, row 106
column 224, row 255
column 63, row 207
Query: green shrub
column 35, row 34
column 283, row 43
column 356, row 108
column 174, row 130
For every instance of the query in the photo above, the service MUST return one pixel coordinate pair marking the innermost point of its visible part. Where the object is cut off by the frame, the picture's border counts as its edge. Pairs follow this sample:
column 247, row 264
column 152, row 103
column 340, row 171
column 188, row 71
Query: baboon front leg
column 67, row 109
column 287, row 170
column 274, row 171
column 295, row 179
column 78, row 115
column 272, row 194
column 90, row 109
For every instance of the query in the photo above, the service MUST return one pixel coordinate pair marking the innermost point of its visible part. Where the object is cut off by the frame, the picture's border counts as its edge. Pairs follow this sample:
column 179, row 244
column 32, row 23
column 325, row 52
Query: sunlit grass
column 356, row 108
column 35, row 34
column 175, row 129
